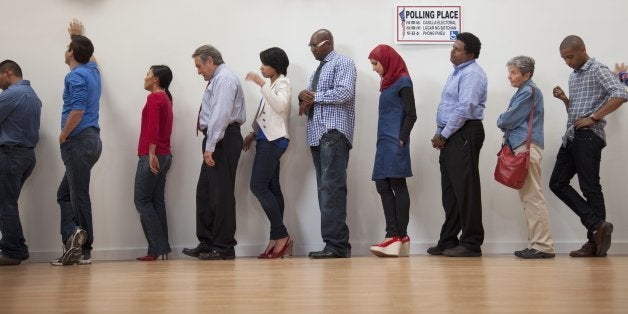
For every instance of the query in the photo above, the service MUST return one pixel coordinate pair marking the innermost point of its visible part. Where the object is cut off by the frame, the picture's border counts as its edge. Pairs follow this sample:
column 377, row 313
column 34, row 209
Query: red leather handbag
column 511, row 170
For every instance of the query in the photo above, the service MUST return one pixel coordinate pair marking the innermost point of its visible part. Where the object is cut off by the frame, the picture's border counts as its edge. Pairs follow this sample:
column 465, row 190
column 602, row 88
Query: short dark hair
column 10, row 65
column 164, row 74
column 572, row 42
column 82, row 48
column 472, row 44
column 275, row 58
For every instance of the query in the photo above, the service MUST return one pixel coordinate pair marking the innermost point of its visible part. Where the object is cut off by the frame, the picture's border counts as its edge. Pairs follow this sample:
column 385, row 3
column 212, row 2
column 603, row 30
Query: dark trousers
column 396, row 204
column 151, row 205
column 330, row 160
column 16, row 164
column 460, row 184
column 581, row 156
column 215, row 200
column 265, row 185
column 79, row 153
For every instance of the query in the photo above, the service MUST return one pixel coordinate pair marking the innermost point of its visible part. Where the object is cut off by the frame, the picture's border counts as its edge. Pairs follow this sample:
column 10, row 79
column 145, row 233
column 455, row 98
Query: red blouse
column 157, row 119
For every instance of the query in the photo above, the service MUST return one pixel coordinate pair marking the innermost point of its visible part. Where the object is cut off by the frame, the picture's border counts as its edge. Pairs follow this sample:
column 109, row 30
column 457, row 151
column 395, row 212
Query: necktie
column 315, row 79
column 198, row 117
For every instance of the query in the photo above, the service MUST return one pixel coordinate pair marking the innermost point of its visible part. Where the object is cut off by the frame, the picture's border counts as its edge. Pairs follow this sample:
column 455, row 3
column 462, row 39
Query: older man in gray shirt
column 220, row 116
column 20, row 111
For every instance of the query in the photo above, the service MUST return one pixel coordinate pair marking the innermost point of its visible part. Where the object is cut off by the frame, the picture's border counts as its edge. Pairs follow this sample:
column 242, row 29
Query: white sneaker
column 73, row 250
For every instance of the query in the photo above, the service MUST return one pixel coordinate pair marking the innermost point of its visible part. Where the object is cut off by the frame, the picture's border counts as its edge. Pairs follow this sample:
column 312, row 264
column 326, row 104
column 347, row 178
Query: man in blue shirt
column 80, row 148
column 20, row 111
column 594, row 92
column 459, row 137
column 329, row 104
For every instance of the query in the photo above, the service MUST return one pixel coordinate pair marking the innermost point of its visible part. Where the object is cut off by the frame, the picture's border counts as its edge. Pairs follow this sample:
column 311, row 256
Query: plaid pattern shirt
column 590, row 87
column 334, row 101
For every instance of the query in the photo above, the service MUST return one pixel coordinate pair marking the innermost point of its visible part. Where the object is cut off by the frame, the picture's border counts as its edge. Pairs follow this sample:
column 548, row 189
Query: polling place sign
column 427, row 24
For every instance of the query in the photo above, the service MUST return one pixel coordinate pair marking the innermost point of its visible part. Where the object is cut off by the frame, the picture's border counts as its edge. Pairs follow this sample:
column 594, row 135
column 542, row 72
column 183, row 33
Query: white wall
column 129, row 36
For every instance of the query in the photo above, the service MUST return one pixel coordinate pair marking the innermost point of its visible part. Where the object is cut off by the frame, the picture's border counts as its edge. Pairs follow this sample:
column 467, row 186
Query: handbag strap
column 529, row 139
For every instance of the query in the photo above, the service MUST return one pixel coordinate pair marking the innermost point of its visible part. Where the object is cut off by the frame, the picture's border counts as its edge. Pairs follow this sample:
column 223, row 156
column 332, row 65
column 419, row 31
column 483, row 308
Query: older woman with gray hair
column 514, row 124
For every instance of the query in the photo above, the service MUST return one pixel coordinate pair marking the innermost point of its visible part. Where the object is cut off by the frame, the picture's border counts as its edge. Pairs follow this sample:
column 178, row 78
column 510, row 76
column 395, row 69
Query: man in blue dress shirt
column 459, row 137
column 20, row 111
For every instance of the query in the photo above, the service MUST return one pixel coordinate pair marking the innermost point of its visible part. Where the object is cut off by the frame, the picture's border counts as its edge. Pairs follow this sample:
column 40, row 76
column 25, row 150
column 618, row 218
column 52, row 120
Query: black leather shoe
column 533, row 253
column 461, row 251
column 324, row 254
column 518, row 253
column 7, row 261
column 214, row 255
column 435, row 250
column 195, row 252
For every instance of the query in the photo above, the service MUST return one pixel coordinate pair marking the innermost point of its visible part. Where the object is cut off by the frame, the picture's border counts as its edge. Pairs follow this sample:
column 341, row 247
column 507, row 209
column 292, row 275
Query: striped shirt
column 222, row 104
column 590, row 87
column 334, row 101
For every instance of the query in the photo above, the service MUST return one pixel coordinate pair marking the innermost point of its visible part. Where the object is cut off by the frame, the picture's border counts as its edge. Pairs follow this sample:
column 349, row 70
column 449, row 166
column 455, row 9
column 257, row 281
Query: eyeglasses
column 314, row 46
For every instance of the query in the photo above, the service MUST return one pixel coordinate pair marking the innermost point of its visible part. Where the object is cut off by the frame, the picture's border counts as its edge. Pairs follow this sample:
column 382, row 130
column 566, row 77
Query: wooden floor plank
column 419, row 284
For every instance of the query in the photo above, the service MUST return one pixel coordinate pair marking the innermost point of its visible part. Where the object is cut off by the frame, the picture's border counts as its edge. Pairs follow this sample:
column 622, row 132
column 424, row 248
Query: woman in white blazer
column 270, row 131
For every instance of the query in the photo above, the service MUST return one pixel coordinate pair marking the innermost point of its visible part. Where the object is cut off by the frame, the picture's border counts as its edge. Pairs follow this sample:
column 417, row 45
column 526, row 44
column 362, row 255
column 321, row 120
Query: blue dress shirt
column 463, row 98
column 82, row 92
column 20, row 111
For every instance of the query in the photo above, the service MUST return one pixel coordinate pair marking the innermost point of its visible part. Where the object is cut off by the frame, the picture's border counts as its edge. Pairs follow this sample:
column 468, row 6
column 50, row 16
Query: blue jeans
column 265, row 185
column 79, row 153
column 16, row 164
column 330, row 160
column 149, row 201
column 581, row 156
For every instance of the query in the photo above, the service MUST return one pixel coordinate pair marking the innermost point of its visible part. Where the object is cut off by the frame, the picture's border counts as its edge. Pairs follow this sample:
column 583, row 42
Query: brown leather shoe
column 602, row 237
column 587, row 250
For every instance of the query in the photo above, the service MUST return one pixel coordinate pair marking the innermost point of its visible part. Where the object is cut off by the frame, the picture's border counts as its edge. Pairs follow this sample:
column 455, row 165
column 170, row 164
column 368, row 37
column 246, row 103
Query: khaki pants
column 534, row 207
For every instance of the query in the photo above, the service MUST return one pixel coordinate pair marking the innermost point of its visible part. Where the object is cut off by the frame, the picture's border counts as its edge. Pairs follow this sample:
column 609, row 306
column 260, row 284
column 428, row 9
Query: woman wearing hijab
column 397, row 115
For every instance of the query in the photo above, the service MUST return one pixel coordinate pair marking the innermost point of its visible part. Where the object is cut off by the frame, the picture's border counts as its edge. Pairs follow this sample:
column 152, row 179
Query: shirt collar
column 329, row 56
column 218, row 70
column 22, row 82
column 585, row 66
column 463, row 65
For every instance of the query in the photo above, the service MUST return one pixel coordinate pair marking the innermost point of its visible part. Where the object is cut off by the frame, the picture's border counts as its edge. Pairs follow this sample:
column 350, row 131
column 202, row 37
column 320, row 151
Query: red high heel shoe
column 269, row 250
column 150, row 258
column 147, row 258
column 285, row 250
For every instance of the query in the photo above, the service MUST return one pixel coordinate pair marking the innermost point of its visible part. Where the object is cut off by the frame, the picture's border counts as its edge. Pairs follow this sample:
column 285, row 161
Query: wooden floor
column 418, row 284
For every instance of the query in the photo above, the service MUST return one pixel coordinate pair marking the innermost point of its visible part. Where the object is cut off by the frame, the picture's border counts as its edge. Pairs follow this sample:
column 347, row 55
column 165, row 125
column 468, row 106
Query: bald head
column 324, row 34
column 572, row 42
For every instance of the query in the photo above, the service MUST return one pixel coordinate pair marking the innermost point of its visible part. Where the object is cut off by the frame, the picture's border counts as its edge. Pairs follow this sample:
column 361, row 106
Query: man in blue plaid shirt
column 594, row 92
column 329, row 104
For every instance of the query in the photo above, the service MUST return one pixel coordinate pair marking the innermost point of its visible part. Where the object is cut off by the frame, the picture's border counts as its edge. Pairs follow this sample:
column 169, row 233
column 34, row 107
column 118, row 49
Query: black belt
column 204, row 131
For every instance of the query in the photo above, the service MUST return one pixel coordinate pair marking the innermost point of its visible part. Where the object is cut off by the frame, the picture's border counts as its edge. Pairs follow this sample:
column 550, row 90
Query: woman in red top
column 154, row 161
